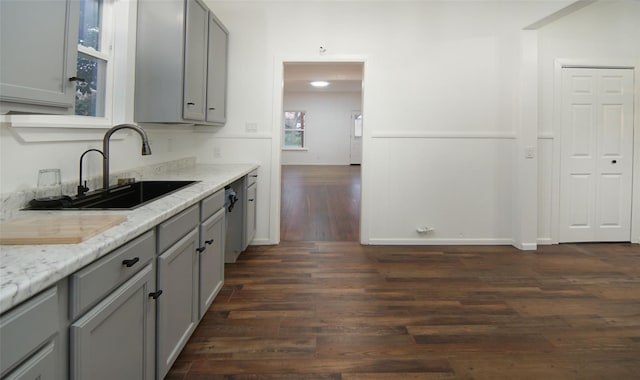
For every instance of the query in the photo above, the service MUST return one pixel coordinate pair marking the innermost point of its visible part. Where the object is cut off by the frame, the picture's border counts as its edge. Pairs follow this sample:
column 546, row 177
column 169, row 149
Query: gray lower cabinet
column 37, row 62
column 211, row 254
column 32, row 343
column 113, row 314
column 177, row 314
column 250, row 218
column 115, row 339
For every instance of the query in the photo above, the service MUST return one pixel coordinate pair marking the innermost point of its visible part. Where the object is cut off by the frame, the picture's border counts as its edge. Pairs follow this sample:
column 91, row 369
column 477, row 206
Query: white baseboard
column 526, row 246
column 545, row 241
column 440, row 242
column 262, row 241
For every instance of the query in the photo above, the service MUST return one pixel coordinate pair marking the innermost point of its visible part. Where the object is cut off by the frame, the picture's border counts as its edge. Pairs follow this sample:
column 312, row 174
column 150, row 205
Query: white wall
column 602, row 34
column 327, row 127
column 441, row 96
column 21, row 160
column 442, row 99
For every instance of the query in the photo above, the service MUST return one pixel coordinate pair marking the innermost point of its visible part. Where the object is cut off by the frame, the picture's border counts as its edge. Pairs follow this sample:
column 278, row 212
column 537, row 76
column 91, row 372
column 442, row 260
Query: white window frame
column 303, row 130
column 107, row 36
column 119, row 52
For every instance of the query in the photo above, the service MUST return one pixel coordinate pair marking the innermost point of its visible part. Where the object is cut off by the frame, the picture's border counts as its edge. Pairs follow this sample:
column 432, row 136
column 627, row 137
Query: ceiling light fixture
column 319, row 83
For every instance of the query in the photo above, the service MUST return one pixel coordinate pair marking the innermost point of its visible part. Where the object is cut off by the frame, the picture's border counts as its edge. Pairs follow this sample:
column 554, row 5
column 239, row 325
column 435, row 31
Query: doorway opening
column 321, row 151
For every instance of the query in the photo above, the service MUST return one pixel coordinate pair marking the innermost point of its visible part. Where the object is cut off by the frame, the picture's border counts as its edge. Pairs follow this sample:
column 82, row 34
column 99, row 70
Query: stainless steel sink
column 123, row 197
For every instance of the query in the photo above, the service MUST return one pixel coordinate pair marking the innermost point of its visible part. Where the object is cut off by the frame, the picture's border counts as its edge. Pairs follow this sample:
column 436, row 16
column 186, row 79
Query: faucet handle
column 82, row 189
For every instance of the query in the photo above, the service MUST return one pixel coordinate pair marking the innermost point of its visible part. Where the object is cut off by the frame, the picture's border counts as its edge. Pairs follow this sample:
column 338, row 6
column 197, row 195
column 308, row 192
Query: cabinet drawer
column 94, row 282
column 26, row 327
column 41, row 366
column 252, row 178
column 211, row 205
column 175, row 228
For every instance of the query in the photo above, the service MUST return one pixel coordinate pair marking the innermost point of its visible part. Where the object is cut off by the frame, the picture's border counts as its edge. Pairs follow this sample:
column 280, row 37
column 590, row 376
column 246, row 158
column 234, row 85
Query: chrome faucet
column 146, row 149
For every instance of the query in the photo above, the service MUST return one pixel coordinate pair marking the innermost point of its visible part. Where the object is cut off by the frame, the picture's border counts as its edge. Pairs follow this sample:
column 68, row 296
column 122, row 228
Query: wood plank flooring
column 320, row 203
column 339, row 310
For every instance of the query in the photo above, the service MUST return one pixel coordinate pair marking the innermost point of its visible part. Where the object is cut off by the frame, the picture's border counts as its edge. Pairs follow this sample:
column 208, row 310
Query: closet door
column 597, row 155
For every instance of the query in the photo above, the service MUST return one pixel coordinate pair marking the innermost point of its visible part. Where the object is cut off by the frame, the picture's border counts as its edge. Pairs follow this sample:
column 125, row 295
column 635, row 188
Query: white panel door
column 596, row 155
column 356, row 138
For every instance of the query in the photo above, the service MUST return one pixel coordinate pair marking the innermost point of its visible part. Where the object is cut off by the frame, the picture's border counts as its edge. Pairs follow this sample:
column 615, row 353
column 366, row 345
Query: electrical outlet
column 251, row 127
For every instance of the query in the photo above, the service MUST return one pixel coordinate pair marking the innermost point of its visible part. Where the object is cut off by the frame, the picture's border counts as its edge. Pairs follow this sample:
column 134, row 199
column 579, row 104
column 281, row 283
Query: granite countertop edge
column 26, row 270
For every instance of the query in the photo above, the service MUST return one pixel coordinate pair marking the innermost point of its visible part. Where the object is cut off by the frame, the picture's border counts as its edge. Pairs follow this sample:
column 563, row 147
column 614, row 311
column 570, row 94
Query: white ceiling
column 342, row 76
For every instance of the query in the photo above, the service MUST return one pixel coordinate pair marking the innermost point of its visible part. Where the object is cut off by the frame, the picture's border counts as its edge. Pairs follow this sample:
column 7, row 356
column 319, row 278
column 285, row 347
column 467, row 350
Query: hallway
column 320, row 203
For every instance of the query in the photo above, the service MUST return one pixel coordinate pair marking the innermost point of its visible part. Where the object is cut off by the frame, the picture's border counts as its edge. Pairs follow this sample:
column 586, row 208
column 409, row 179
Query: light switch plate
column 529, row 152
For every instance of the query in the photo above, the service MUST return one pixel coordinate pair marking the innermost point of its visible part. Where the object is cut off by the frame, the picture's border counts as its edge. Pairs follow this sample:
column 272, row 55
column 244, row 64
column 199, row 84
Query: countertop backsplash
column 13, row 202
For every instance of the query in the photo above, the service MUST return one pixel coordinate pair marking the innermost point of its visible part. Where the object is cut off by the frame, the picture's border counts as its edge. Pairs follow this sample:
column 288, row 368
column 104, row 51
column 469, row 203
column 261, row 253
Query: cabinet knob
column 201, row 249
column 130, row 262
column 209, row 241
column 155, row 294
column 614, row 161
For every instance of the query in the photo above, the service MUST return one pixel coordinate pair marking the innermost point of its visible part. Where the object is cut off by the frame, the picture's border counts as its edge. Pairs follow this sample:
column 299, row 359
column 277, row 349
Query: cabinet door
column 211, row 259
column 178, row 305
column 217, row 72
column 250, row 226
column 39, row 49
column 120, row 328
column 195, row 61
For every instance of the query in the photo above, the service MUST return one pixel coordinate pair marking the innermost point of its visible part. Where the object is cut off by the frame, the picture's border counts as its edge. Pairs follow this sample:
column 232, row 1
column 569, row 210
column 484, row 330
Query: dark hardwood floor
column 339, row 310
column 320, row 203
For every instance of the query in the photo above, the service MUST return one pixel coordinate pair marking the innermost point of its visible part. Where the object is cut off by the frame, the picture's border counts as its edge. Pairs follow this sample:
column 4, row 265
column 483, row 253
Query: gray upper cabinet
column 217, row 70
column 195, row 61
column 39, row 50
column 179, row 77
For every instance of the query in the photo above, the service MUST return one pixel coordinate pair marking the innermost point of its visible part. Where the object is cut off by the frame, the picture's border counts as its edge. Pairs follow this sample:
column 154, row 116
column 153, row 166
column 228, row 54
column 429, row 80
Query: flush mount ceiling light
column 319, row 83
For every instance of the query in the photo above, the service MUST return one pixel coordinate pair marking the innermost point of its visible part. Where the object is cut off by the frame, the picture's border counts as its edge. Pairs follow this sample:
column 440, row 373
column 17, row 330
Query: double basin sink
column 123, row 197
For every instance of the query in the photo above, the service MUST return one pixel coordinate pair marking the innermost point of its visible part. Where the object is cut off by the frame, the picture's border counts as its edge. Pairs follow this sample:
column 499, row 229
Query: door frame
column 278, row 136
column 560, row 64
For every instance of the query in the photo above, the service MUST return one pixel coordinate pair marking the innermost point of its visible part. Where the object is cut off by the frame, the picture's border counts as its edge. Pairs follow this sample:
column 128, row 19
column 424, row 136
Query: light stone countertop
column 25, row 270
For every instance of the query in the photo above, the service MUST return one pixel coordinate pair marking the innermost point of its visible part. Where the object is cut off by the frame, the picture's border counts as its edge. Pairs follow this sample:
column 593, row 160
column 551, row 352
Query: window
column 294, row 130
column 94, row 58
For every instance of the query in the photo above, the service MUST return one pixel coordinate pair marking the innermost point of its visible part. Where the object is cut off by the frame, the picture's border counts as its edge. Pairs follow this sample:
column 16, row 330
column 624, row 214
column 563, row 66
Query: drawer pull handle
column 209, row 241
column 155, row 295
column 254, row 175
column 130, row 262
column 251, row 199
column 201, row 249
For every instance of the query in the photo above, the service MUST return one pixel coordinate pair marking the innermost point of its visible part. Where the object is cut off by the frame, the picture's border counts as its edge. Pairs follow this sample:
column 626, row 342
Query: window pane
column 293, row 120
column 294, row 139
column 90, row 17
column 90, row 93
